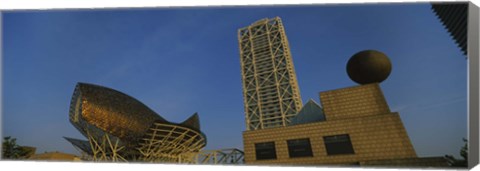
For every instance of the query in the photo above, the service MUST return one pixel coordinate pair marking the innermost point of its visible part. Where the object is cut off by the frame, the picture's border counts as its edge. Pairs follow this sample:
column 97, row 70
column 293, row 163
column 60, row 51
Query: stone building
column 355, row 126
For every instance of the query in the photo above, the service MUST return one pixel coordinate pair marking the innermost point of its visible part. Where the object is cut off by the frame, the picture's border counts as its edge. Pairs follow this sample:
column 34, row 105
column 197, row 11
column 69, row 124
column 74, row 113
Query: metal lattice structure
column 270, row 89
column 105, row 149
column 120, row 128
column 171, row 143
column 222, row 156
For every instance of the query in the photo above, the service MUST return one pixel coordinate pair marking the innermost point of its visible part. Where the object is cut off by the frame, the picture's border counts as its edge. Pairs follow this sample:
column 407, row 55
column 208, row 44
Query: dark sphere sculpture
column 369, row 66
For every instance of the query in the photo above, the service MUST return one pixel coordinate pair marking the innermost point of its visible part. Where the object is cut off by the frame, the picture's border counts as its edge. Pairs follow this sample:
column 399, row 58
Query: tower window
column 265, row 151
column 338, row 144
column 299, row 148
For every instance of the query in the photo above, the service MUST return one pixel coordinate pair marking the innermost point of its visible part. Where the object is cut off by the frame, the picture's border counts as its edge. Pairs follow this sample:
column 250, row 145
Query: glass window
column 265, row 151
column 338, row 144
column 299, row 148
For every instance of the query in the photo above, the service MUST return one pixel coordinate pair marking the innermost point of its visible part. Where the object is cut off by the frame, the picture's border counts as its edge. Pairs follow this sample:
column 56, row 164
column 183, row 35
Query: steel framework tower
column 270, row 89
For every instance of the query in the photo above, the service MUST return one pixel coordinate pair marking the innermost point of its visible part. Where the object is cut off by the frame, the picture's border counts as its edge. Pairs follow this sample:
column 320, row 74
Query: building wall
column 360, row 111
column 357, row 101
column 373, row 138
column 410, row 162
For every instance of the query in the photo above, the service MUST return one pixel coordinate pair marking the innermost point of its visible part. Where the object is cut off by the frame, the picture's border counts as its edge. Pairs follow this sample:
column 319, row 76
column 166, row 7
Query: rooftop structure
column 270, row 89
column 311, row 112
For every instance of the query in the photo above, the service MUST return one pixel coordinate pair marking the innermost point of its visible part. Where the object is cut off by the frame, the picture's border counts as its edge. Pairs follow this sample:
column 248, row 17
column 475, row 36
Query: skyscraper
column 270, row 89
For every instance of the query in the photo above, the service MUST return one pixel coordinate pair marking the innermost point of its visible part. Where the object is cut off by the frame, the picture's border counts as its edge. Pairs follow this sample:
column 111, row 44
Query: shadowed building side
column 453, row 16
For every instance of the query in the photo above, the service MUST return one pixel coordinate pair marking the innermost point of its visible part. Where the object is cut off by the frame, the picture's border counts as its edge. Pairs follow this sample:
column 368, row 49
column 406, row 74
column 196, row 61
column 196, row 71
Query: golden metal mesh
column 121, row 128
column 114, row 112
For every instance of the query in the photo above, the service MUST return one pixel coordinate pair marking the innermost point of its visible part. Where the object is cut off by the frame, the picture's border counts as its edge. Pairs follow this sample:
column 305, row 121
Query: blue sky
column 179, row 61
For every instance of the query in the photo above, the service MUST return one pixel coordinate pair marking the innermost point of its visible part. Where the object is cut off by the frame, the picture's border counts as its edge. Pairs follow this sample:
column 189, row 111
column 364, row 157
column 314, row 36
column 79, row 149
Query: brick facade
column 361, row 112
